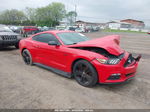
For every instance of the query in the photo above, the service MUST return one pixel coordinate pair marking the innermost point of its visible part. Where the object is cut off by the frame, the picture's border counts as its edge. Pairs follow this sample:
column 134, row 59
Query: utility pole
column 76, row 13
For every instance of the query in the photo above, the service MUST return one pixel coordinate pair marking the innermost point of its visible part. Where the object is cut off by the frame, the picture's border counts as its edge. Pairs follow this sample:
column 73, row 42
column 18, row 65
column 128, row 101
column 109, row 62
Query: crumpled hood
column 109, row 43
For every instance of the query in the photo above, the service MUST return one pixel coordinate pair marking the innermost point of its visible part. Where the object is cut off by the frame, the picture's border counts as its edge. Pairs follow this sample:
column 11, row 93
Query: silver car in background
column 8, row 37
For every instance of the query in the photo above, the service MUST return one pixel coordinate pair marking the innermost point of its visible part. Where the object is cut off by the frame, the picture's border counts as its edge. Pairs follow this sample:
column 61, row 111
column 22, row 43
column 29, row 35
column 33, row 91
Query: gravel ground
column 31, row 87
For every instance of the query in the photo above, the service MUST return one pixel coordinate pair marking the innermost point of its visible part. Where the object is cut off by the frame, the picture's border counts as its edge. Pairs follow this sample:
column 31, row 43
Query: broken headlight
column 113, row 61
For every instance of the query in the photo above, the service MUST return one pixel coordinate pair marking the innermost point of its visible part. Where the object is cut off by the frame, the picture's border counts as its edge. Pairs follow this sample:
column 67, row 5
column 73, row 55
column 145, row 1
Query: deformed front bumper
column 126, row 73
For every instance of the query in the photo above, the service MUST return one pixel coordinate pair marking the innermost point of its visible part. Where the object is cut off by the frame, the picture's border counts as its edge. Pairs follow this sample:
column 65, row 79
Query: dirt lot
column 29, row 87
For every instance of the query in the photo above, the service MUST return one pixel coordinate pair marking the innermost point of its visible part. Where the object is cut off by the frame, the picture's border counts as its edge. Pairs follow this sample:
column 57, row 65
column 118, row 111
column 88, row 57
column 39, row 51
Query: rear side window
column 45, row 38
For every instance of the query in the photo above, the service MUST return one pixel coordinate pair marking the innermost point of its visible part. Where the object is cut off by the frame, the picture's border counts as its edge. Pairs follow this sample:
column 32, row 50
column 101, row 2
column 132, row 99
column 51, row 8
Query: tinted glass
column 69, row 38
column 45, row 38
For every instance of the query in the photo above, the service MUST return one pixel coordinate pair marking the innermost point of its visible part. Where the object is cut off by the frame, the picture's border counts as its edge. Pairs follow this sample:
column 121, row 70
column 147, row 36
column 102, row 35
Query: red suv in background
column 29, row 30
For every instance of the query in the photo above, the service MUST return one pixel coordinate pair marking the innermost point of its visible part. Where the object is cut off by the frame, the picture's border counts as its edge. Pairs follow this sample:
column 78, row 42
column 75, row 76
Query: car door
column 55, row 54
column 50, row 55
column 36, row 48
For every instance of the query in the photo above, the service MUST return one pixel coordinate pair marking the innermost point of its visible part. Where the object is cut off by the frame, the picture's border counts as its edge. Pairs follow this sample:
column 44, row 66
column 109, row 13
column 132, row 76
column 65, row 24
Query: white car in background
column 80, row 30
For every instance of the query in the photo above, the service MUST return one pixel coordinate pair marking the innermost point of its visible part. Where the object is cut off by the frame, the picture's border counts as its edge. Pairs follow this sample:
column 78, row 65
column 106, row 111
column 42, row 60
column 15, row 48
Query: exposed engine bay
column 98, row 50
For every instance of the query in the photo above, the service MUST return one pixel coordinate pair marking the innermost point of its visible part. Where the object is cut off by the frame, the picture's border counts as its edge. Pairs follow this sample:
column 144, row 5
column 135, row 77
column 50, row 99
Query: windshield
column 70, row 38
column 5, row 29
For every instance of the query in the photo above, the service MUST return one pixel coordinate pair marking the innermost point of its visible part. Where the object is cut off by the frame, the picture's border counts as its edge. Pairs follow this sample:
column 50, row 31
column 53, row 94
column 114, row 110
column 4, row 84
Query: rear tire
column 27, row 57
column 84, row 73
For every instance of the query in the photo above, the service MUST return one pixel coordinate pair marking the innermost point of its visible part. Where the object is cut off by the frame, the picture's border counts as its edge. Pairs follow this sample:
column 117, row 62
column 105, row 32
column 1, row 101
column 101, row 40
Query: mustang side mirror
column 54, row 43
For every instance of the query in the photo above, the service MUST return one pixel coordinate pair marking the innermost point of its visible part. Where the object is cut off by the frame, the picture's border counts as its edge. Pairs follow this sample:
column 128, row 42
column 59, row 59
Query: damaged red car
column 73, row 54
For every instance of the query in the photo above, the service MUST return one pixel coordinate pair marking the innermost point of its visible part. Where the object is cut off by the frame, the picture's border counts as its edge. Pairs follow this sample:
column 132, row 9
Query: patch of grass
column 113, row 30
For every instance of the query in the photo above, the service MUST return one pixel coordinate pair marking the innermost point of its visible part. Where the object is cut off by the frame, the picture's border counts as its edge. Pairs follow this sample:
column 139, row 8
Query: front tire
column 84, row 73
column 27, row 57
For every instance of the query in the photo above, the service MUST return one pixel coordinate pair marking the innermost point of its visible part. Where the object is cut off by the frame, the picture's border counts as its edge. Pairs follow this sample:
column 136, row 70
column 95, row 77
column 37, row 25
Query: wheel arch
column 75, row 62
column 85, row 60
column 78, row 59
column 23, row 50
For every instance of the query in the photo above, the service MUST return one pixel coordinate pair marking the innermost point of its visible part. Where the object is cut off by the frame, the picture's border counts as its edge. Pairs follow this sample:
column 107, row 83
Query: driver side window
column 45, row 38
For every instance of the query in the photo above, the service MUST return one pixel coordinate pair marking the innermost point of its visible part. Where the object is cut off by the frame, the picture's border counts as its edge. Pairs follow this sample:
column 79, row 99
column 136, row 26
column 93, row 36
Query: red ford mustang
column 72, row 54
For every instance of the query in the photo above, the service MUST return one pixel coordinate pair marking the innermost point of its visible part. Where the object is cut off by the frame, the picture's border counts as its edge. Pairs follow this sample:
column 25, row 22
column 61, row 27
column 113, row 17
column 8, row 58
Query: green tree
column 30, row 13
column 57, row 10
column 12, row 17
column 50, row 15
column 71, row 17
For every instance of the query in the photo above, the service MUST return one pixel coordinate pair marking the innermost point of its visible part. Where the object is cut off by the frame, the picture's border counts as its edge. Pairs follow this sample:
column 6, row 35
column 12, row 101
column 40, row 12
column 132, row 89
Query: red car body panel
column 106, row 70
column 62, row 57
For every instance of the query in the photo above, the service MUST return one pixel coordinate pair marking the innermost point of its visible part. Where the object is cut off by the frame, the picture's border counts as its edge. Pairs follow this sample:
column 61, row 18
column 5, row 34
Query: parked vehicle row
column 29, row 30
column 80, row 29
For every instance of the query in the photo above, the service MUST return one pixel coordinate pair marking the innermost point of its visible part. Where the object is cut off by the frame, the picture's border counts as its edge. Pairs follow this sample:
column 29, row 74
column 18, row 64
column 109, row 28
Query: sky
column 92, row 10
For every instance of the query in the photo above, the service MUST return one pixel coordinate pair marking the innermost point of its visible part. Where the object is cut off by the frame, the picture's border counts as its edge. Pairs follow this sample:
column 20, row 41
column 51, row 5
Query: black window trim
column 44, row 42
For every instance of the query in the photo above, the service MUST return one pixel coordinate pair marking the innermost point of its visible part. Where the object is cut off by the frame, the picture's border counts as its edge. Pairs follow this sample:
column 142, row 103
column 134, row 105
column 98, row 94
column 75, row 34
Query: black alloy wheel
column 27, row 57
column 84, row 73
